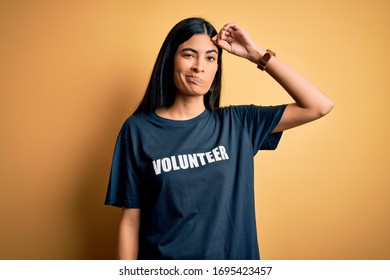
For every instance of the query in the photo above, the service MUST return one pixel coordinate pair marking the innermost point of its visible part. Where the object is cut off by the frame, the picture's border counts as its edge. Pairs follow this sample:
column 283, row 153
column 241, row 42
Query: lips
column 194, row 79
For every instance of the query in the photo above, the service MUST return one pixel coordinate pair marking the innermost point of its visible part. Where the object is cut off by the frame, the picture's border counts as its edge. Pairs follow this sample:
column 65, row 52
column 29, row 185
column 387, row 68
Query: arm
column 129, row 234
column 310, row 102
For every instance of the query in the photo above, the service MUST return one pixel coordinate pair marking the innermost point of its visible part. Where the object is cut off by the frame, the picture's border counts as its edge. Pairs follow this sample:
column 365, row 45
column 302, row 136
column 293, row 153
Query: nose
column 198, row 67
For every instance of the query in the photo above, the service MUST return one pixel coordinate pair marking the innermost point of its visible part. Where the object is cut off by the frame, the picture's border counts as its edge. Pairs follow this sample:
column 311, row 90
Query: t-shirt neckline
column 192, row 121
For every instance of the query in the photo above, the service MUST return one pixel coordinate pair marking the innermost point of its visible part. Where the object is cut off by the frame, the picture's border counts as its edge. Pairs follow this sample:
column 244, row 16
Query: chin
column 196, row 92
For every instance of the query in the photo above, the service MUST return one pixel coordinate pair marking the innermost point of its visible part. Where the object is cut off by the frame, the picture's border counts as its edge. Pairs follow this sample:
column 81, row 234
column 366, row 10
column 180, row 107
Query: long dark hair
column 161, row 89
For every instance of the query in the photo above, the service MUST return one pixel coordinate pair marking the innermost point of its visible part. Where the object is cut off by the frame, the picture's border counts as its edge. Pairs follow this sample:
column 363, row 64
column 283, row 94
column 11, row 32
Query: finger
column 223, row 44
column 224, row 28
column 223, row 34
column 230, row 27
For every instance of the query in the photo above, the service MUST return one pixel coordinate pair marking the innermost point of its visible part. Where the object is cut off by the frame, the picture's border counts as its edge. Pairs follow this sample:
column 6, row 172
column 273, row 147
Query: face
column 195, row 65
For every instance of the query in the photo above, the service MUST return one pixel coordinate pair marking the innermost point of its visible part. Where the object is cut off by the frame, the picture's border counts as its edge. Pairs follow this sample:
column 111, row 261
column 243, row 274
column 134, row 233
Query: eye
column 211, row 58
column 188, row 55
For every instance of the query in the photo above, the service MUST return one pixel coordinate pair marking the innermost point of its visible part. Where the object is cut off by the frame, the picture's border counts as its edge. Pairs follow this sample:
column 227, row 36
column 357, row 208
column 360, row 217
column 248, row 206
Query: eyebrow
column 195, row 51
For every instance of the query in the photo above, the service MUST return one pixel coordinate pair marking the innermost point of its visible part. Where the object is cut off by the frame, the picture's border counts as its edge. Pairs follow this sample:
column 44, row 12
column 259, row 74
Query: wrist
column 256, row 55
column 263, row 60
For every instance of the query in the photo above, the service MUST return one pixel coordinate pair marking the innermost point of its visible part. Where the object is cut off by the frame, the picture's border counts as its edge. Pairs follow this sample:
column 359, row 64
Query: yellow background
column 72, row 71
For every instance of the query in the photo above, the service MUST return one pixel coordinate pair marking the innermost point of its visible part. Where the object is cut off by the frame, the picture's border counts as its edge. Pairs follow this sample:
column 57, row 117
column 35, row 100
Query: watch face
column 266, row 57
column 263, row 61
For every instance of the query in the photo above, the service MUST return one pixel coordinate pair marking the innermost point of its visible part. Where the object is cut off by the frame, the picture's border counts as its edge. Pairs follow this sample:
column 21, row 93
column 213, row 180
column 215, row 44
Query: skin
column 310, row 102
column 195, row 67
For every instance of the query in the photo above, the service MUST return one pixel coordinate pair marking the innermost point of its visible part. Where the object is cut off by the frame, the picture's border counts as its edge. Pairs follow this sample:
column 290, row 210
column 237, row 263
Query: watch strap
column 262, row 63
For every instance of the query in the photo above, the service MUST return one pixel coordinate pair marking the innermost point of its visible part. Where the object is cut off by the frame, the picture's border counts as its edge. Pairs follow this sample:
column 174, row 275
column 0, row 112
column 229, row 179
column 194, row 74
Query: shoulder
column 232, row 109
column 249, row 109
column 138, row 119
column 134, row 119
column 133, row 123
column 252, row 108
column 249, row 113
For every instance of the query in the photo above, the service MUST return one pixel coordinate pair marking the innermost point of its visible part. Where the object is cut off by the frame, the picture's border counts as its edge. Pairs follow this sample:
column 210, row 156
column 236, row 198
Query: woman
column 182, row 169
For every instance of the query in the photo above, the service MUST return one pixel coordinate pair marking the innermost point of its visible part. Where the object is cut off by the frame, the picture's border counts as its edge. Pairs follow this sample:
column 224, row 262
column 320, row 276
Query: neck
column 183, row 109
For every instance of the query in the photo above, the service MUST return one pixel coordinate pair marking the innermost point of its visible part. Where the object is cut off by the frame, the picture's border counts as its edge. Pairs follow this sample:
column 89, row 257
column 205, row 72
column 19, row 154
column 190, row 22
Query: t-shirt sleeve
column 124, row 183
column 259, row 122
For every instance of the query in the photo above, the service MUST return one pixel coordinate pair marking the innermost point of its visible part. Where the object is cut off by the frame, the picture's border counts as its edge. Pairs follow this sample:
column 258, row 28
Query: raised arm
column 128, row 240
column 310, row 102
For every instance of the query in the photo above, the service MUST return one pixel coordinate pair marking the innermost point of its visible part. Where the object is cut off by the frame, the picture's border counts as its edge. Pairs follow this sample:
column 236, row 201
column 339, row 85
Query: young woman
column 182, row 168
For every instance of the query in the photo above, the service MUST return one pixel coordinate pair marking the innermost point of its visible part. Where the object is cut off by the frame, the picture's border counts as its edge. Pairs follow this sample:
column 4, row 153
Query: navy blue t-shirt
column 193, row 180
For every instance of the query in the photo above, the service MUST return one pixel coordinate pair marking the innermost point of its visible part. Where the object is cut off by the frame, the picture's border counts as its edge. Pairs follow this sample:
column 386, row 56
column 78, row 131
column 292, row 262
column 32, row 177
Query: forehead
column 199, row 42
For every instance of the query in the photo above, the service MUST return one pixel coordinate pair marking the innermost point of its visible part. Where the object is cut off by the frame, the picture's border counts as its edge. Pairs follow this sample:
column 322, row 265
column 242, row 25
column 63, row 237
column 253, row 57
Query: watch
column 262, row 63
